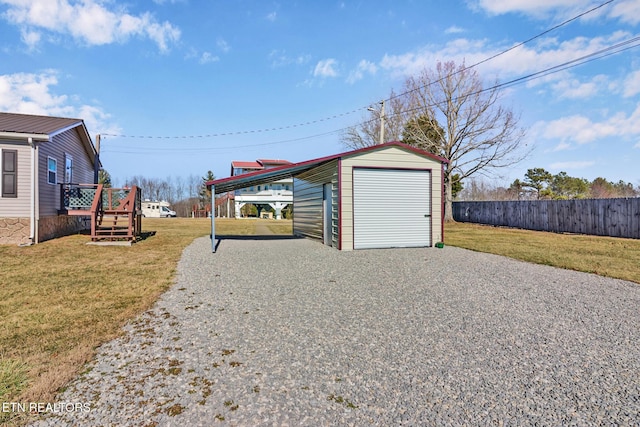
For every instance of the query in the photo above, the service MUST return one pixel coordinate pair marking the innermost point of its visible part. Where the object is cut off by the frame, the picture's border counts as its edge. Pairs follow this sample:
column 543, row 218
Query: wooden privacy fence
column 600, row 217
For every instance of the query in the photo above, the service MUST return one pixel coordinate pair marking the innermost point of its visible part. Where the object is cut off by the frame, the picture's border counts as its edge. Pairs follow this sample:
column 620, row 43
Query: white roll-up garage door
column 391, row 208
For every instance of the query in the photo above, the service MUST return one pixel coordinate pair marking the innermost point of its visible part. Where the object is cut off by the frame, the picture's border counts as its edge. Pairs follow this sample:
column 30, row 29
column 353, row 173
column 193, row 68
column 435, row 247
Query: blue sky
column 190, row 85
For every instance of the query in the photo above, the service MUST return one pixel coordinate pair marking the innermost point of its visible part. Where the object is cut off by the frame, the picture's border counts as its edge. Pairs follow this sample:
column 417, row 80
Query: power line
column 200, row 149
column 593, row 56
column 214, row 135
column 507, row 50
column 599, row 54
column 245, row 132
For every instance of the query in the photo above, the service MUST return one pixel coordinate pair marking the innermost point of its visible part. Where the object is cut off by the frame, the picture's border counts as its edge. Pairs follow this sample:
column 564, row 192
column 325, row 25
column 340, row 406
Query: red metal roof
column 231, row 183
column 246, row 165
column 273, row 162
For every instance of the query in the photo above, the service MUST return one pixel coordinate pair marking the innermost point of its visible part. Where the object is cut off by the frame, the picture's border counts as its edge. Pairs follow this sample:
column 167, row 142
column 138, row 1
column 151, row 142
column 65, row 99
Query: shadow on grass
column 145, row 235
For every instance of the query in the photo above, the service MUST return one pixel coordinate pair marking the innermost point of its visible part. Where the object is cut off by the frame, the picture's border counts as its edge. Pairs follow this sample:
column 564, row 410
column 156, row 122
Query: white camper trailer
column 157, row 210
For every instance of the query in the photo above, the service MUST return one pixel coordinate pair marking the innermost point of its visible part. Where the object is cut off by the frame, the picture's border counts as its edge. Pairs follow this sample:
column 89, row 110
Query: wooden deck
column 115, row 213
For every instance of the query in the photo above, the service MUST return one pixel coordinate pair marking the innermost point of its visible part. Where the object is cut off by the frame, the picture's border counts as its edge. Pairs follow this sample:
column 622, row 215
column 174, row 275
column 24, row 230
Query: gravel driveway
column 290, row 332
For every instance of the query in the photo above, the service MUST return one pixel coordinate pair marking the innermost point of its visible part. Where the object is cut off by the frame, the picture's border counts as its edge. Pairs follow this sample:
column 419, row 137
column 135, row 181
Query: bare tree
column 193, row 183
column 169, row 190
column 449, row 112
column 179, row 188
column 479, row 133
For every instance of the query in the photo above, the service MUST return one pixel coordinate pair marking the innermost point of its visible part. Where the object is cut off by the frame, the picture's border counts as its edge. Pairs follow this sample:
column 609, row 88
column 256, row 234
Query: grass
column 606, row 256
column 13, row 377
column 280, row 226
column 61, row 299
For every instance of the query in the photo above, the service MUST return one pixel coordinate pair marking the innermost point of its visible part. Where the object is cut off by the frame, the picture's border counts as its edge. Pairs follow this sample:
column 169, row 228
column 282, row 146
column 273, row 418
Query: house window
column 68, row 169
column 9, row 173
column 52, row 170
column 259, row 188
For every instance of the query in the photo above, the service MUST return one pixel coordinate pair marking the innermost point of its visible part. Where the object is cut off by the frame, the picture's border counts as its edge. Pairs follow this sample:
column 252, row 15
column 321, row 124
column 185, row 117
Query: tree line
column 183, row 194
column 539, row 184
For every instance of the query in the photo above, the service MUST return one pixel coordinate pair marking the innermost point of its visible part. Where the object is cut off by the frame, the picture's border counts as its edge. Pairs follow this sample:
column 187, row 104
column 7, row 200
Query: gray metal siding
column 307, row 200
column 391, row 208
column 68, row 142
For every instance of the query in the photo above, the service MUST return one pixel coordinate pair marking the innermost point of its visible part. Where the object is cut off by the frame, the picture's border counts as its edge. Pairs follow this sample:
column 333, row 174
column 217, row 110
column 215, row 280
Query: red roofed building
column 276, row 195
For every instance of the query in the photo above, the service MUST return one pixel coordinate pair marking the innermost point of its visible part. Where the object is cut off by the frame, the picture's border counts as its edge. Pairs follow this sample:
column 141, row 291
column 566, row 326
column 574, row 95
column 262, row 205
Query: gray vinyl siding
column 18, row 207
column 307, row 201
column 69, row 143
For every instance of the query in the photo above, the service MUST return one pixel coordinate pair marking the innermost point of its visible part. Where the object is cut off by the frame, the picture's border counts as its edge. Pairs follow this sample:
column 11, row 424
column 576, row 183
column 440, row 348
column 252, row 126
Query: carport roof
column 250, row 179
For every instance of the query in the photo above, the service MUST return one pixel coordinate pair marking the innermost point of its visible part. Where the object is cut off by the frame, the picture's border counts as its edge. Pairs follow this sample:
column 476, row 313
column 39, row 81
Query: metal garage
column 384, row 196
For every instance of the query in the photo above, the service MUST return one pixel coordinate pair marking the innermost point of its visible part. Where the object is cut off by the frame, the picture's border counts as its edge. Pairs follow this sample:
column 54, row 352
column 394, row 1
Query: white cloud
column 207, row 57
column 521, row 61
column 626, row 10
column 578, row 164
column 88, row 21
column 413, row 62
column 454, row 30
column 30, row 38
column 535, row 8
column 223, row 45
column 631, row 85
column 272, row 16
column 280, row 58
column 202, row 58
column 363, row 67
column 574, row 89
column 96, row 120
column 29, row 93
column 583, row 130
column 326, row 68
column 562, row 146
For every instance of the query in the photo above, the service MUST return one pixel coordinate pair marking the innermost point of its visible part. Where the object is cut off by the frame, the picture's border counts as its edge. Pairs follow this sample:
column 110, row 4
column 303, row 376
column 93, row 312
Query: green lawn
column 607, row 256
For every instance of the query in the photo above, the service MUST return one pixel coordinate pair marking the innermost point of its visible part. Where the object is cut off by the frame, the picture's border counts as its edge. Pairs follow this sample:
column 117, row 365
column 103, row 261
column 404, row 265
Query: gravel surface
column 290, row 332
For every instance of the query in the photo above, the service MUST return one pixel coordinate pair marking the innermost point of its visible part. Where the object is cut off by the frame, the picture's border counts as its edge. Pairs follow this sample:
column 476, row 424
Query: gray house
column 37, row 155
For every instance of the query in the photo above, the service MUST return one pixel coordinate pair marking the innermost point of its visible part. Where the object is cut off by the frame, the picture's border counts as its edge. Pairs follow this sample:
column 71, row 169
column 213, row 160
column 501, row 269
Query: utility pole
column 96, row 163
column 382, row 122
column 381, row 114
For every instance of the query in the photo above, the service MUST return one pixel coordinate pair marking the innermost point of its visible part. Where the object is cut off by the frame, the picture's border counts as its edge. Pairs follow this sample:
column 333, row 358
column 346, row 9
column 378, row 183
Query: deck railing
column 115, row 212
column 77, row 197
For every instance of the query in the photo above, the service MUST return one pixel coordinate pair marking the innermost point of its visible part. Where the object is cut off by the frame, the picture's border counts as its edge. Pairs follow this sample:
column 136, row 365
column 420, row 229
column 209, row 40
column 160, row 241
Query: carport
column 383, row 196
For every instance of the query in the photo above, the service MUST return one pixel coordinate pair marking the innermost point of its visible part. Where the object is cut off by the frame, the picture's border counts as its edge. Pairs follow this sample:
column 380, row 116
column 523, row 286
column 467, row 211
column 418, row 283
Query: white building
column 277, row 194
